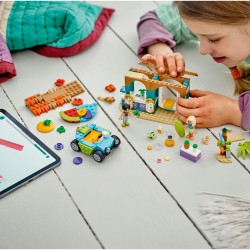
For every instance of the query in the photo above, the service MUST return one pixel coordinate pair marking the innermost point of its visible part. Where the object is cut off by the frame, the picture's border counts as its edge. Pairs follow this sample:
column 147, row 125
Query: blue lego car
column 94, row 140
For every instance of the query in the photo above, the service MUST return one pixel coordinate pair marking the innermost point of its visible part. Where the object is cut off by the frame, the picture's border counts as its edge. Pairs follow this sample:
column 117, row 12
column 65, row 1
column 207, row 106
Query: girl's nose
column 205, row 48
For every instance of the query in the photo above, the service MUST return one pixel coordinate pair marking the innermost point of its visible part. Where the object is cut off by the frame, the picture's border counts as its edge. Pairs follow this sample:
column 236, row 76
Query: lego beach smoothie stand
column 155, row 99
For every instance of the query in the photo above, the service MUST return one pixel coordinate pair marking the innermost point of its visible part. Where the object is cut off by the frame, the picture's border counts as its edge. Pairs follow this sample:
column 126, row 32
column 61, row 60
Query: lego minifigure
column 125, row 114
column 190, row 124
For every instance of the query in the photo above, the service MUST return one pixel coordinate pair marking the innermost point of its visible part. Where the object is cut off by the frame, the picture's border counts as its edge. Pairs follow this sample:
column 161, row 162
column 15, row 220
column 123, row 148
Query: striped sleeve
column 171, row 20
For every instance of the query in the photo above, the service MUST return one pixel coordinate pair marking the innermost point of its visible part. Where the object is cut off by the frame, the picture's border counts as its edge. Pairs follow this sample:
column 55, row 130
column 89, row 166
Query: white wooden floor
column 129, row 200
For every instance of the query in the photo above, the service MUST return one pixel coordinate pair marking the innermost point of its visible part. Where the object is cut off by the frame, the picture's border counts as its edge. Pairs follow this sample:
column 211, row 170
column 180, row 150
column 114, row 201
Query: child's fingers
column 171, row 62
column 180, row 63
column 148, row 58
column 191, row 103
column 186, row 112
column 160, row 63
column 198, row 93
column 181, row 117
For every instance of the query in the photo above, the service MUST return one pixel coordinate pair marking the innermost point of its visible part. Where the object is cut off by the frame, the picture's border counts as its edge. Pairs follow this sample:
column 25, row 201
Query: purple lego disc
column 58, row 146
column 77, row 160
column 88, row 115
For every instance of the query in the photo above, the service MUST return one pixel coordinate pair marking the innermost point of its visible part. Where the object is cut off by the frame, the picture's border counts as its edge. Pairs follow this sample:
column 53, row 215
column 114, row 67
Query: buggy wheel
column 117, row 141
column 98, row 156
column 74, row 145
column 107, row 151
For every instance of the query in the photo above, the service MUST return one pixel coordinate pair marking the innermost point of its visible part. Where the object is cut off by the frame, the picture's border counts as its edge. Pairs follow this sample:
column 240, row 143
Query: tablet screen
column 23, row 156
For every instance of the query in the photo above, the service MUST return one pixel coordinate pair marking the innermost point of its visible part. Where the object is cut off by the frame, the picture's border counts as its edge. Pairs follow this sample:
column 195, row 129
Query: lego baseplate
column 160, row 115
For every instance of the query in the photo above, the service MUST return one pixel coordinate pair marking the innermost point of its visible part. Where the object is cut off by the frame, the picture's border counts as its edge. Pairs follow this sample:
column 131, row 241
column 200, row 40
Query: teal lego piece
column 91, row 111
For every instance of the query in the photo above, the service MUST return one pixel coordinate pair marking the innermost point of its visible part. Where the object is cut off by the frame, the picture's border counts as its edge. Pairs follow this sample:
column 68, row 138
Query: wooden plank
column 121, row 199
column 181, row 177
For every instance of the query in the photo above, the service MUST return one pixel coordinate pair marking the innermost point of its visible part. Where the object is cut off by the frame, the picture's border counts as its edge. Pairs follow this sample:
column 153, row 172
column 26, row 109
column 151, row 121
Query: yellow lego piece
column 169, row 103
column 93, row 136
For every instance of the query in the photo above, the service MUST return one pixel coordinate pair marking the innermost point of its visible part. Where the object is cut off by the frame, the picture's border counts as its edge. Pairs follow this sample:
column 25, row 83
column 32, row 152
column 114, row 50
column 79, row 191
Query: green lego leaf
column 46, row 122
column 179, row 128
column 244, row 155
column 137, row 113
column 239, row 152
column 248, row 151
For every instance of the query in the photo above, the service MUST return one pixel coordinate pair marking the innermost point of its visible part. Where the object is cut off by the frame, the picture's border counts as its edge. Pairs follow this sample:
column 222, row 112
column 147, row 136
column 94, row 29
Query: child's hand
column 210, row 109
column 162, row 56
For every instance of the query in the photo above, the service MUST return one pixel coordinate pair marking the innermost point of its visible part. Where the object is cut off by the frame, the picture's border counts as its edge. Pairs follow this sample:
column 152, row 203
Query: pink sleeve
column 150, row 31
column 244, row 102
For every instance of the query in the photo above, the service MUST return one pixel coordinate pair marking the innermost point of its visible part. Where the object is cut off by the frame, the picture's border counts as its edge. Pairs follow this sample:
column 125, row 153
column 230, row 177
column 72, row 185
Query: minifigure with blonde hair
column 190, row 124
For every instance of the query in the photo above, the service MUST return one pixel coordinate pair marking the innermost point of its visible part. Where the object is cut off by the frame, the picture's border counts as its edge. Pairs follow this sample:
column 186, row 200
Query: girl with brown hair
column 223, row 30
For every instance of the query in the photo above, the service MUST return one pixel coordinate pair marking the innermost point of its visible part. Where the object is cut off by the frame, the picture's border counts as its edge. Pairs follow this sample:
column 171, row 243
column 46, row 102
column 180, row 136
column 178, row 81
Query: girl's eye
column 213, row 40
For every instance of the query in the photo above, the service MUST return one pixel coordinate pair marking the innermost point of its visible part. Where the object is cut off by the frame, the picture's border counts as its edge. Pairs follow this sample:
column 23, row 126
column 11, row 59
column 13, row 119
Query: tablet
column 23, row 157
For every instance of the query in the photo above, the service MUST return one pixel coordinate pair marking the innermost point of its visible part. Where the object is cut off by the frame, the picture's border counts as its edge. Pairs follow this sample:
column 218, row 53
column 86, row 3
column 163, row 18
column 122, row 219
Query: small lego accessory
column 159, row 130
column 110, row 88
column 169, row 103
column 190, row 124
column 45, row 126
column 206, row 140
column 61, row 130
column 59, row 82
column 149, row 147
column 186, row 144
column 167, row 158
column 125, row 114
column 159, row 160
column 179, row 128
column 77, row 160
column 137, row 112
column 59, row 146
column 152, row 135
column 142, row 92
column 195, row 147
column 170, row 141
column 109, row 99
column 77, row 101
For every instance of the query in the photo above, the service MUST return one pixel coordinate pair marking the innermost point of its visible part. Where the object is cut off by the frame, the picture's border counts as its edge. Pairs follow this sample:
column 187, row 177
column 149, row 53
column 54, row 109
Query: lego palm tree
column 224, row 145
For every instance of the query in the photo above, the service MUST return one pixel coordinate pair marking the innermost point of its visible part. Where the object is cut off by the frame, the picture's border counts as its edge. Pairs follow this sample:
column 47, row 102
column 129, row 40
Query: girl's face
column 227, row 44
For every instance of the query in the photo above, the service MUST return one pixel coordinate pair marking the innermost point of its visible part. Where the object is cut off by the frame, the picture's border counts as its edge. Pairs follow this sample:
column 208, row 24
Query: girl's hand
column 161, row 55
column 210, row 109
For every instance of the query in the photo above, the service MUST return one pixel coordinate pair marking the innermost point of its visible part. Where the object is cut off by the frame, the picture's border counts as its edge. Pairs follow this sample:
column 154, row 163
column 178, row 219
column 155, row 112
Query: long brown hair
column 221, row 12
